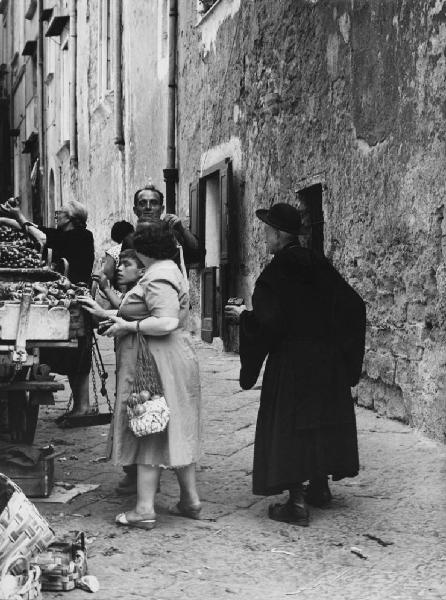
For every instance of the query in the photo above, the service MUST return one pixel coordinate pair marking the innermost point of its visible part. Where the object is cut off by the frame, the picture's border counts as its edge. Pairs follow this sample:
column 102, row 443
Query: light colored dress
column 161, row 292
column 114, row 252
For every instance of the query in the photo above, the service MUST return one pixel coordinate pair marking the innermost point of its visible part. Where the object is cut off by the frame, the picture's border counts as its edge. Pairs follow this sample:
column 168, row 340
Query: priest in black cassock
column 310, row 324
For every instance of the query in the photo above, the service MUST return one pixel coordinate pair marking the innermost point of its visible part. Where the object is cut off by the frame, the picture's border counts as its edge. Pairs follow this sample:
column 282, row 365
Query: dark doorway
column 210, row 208
column 313, row 215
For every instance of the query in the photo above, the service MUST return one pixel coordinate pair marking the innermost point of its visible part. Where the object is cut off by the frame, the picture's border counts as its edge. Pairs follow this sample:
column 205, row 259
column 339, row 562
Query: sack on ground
column 147, row 408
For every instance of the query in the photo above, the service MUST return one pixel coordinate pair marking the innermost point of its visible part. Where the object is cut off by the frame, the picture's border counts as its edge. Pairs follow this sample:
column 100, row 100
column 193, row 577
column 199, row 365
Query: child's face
column 128, row 271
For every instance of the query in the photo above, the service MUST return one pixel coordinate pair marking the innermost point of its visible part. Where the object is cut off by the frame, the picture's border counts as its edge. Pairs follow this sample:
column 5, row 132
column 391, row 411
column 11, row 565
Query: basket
column 23, row 530
column 25, row 586
column 63, row 564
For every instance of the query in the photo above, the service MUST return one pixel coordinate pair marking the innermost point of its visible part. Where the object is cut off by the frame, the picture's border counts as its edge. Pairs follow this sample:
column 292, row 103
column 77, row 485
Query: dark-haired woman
column 158, row 306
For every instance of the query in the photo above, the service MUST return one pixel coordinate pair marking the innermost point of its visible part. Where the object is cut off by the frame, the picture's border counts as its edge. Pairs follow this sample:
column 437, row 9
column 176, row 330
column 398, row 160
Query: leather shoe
column 290, row 512
column 318, row 494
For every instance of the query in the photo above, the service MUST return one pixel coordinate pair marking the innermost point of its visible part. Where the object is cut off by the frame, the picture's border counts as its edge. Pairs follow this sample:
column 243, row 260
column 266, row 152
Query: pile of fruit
column 52, row 293
column 18, row 250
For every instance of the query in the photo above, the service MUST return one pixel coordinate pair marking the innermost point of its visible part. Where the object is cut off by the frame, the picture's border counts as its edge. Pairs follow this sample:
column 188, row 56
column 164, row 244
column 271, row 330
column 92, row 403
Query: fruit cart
column 38, row 310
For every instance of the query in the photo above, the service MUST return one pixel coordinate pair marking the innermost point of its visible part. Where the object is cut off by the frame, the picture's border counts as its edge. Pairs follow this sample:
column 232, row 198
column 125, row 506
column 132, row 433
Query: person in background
column 127, row 259
column 72, row 241
column 311, row 325
column 157, row 306
column 119, row 231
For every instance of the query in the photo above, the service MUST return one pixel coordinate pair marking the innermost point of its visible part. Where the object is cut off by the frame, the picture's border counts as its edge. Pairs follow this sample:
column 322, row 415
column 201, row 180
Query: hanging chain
column 102, row 372
column 97, row 364
column 95, row 390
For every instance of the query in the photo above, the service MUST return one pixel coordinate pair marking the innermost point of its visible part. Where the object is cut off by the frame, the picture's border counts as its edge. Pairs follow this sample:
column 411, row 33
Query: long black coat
column 311, row 324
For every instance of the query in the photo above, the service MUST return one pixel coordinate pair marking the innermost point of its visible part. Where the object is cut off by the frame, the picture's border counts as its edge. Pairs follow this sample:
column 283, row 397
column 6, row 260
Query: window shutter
column 209, row 304
column 225, row 198
column 193, row 208
column 197, row 217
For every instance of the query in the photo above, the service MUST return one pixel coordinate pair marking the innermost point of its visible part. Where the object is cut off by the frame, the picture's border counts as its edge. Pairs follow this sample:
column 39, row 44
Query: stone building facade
column 336, row 106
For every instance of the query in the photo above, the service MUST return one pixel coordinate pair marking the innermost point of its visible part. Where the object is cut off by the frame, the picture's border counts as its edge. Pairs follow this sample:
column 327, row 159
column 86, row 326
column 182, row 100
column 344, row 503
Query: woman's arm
column 109, row 267
column 17, row 214
column 10, row 222
column 112, row 295
column 94, row 309
column 156, row 326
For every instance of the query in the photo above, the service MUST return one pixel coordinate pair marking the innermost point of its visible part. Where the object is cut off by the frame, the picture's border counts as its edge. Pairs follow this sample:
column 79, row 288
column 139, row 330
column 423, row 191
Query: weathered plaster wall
column 351, row 95
column 108, row 175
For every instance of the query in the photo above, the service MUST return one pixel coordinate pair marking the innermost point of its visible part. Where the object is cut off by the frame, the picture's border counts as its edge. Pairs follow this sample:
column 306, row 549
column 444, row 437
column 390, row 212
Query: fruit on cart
column 18, row 250
column 54, row 293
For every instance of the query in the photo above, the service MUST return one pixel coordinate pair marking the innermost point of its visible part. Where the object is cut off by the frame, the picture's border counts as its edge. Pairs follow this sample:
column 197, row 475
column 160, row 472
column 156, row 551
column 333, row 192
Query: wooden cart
column 26, row 328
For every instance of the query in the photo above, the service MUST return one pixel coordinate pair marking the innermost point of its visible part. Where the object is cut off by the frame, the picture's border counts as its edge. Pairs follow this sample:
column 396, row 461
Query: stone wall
column 349, row 95
column 108, row 175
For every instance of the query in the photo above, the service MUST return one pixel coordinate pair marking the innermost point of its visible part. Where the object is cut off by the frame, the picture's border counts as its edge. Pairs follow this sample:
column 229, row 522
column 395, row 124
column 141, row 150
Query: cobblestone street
column 394, row 513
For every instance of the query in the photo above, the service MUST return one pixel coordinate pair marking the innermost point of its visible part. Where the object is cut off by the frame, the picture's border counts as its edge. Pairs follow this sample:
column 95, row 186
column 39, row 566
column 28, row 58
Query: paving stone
column 236, row 551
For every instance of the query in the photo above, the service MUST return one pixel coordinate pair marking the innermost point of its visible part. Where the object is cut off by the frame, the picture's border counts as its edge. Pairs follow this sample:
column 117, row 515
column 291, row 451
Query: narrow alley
column 384, row 536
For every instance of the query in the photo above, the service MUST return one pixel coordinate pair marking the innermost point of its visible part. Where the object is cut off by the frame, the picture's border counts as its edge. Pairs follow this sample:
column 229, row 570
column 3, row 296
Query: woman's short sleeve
column 162, row 298
column 114, row 252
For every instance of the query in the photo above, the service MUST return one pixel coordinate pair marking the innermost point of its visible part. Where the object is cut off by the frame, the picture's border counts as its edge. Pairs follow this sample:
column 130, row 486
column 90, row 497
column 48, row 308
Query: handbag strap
column 149, row 378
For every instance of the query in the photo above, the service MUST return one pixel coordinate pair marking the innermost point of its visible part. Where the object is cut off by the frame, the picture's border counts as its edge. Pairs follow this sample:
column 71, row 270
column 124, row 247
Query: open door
column 197, row 218
column 209, row 304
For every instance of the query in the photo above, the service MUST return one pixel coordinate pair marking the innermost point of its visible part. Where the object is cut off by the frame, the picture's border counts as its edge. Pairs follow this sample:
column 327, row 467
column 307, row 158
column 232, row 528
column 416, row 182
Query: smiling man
column 148, row 206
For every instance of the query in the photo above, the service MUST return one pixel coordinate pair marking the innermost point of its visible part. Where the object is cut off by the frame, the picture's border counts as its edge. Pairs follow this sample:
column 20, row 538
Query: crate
column 44, row 323
column 35, row 481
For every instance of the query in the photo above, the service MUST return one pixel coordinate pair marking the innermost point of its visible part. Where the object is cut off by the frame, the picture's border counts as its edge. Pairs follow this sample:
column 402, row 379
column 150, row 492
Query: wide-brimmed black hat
column 281, row 216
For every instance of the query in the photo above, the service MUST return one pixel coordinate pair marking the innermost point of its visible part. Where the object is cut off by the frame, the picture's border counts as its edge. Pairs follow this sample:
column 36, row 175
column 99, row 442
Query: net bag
column 147, row 408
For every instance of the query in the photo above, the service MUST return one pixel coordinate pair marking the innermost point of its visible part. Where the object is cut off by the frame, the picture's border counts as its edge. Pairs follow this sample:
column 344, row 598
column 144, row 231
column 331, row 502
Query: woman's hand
column 233, row 312
column 120, row 327
column 10, row 208
column 102, row 281
column 93, row 307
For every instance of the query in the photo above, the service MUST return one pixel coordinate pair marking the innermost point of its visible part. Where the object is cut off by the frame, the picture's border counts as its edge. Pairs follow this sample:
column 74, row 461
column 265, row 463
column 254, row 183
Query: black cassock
column 311, row 324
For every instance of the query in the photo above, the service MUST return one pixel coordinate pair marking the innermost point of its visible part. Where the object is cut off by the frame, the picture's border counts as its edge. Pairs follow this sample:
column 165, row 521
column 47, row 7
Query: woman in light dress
column 158, row 305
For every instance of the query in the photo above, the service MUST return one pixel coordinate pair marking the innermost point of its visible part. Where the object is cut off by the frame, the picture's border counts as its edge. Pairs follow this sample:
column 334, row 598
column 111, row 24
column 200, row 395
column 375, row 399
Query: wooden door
column 209, row 327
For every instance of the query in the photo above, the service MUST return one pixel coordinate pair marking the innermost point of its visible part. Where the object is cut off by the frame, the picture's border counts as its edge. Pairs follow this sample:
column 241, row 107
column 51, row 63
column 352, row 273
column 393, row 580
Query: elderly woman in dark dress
column 70, row 240
column 310, row 324
column 158, row 305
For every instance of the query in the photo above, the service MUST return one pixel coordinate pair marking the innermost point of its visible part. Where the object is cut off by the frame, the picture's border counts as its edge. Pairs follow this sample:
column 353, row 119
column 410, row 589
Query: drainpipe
column 117, row 52
column 41, row 112
column 72, row 47
column 171, row 171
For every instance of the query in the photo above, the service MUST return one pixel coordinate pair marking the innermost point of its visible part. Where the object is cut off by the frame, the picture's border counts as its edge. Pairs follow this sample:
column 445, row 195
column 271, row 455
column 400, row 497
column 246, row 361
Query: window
column 163, row 39
column 104, row 49
column 50, row 57
column 312, row 215
column 64, row 88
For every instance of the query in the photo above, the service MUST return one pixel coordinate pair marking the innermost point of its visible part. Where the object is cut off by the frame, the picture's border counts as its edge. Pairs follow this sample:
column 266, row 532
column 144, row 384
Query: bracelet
column 27, row 224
